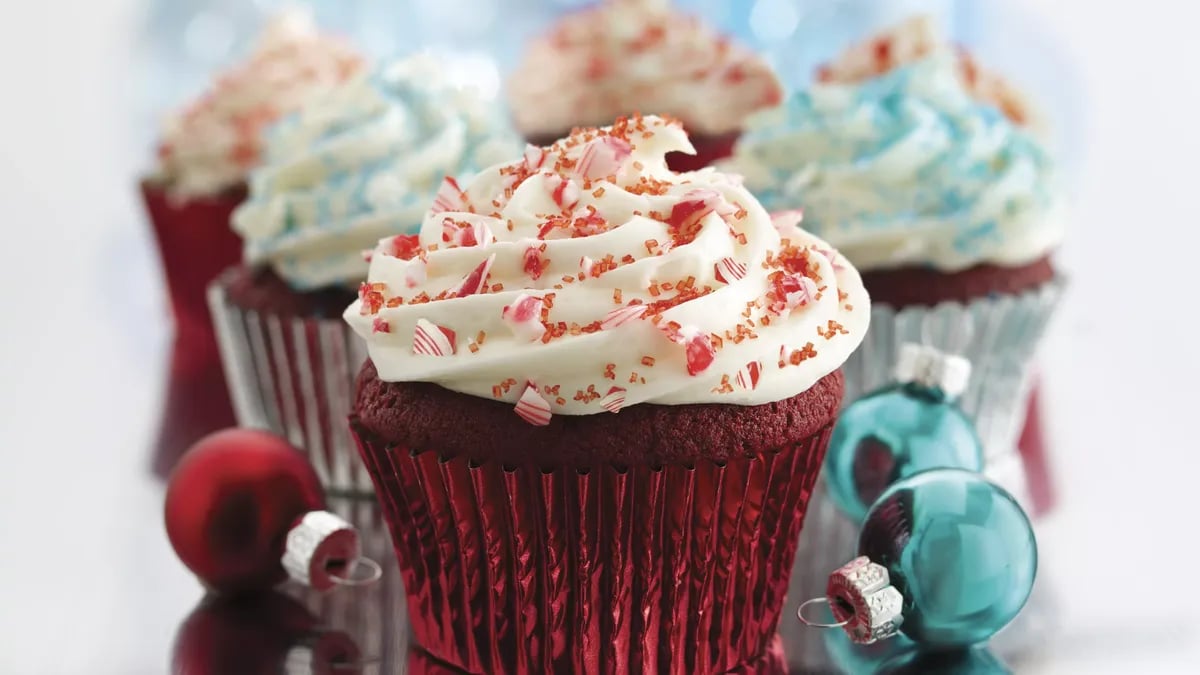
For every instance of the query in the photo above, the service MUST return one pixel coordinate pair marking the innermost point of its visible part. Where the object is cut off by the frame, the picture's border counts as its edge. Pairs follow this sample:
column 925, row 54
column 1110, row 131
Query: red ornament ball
column 230, row 503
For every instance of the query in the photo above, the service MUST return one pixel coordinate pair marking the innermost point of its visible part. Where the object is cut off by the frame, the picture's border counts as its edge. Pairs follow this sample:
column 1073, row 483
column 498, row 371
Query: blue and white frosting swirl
column 360, row 163
column 906, row 170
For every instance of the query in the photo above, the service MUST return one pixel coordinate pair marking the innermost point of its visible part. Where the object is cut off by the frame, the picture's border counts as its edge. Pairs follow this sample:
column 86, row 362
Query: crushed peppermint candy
column 614, row 400
column 622, row 315
column 700, row 353
column 476, row 281
column 606, row 156
column 430, row 339
column 524, row 317
column 729, row 270
column 533, row 408
column 450, row 197
column 748, row 376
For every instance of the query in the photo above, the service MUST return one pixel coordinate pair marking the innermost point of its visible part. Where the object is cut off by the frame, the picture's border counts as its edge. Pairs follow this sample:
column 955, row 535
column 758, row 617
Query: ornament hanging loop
column 373, row 573
column 817, row 624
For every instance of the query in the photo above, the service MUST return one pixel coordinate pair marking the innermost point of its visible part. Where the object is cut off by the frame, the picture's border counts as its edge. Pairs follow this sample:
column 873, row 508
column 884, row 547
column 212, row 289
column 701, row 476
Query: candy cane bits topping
column 700, row 353
column 524, row 317
column 464, row 233
column 729, row 270
column 789, row 291
column 406, row 246
column 563, row 191
column 614, row 400
column 535, row 262
column 747, row 377
column 622, row 315
column 535, row 157
column 450, row 197
column 430, row 339
column 533, row 408
column 476, row 281
column 604, row 157
column 380, row 325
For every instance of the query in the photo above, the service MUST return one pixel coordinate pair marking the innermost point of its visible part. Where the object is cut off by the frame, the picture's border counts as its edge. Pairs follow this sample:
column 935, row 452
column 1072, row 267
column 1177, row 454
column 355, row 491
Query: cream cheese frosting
column 587, row 276
column 913, row 40
column 360, row 162
column 637, row 56
column 213, row 144
column 906, row 169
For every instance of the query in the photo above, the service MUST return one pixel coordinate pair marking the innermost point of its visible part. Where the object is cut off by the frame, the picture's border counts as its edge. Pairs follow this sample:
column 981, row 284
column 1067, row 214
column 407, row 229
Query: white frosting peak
column 592, row 271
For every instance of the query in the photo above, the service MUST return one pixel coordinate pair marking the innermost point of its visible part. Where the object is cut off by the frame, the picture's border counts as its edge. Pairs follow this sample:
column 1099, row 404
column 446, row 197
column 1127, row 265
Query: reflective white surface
column 88, row 583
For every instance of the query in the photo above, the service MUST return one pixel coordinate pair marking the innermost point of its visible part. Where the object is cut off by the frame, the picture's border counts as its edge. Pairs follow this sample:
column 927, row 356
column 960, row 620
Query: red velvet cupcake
column 641, row 56
column 357, row 164
column 205, row 156
column 598, row 399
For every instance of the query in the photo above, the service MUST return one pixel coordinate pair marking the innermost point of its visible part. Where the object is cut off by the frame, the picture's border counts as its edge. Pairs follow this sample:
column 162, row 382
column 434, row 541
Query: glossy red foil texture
column 674, row 570
column 195, row 243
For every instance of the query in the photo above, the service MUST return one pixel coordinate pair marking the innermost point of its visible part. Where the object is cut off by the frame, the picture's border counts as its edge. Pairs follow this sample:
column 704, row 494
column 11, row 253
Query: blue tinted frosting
column 360, row 163
column 906, row 169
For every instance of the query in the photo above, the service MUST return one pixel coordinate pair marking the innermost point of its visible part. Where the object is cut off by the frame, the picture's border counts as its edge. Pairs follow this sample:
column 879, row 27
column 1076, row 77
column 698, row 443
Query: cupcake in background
column 949, row 208
column 640, row 56
column 359, row 163
column 594, row 424
column 205, row 154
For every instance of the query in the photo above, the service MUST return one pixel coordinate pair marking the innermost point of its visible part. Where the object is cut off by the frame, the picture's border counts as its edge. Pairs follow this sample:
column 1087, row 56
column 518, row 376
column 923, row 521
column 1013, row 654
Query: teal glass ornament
column 902, row 430
column 945, row 557
column 901, row 656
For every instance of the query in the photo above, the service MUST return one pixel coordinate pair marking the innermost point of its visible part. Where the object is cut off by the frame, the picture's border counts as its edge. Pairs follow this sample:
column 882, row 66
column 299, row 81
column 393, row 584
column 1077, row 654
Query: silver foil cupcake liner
column 294, row 376
column 1000, row 336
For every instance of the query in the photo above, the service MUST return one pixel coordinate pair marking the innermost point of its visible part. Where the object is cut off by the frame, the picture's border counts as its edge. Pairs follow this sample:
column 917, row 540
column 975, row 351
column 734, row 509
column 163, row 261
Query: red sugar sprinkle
column 648, row 361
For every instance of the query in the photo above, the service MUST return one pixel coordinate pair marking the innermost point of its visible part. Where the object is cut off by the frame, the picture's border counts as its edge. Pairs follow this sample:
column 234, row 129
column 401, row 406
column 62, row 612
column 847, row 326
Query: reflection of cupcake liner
column 1033, row 446
column 194, row 244
column 522, row 569
column 294, row 375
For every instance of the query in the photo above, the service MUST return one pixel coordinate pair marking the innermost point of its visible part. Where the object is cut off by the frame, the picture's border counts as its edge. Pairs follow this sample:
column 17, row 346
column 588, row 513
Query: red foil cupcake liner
column 294, row 376
column 195, row 243
column 641, row 570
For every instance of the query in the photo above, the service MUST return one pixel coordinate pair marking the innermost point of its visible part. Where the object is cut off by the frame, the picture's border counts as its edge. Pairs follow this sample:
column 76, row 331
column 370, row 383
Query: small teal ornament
column 944, row 556
column 902, row 430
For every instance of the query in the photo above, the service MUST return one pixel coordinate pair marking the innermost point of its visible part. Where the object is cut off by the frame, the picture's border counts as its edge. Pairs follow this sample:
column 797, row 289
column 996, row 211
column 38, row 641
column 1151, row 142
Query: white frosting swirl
column 215, row 142
column 606, row 279
column 360, row 162
column 906, row 170
column 637, row 56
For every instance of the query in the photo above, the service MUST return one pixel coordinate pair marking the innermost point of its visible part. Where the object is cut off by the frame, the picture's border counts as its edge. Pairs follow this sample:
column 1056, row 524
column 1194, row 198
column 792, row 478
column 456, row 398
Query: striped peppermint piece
column 614, row 401
column 622, row 315
column 747, row 377
column 450, row 197
column 476, row 281
column 535, row 157
column 604, row 157
column 381, row 326
column 430, row 339
column 729, row 270
column 462, row 234
column 533, row 408
column 585, row 266
column 563, row 191
column 524, row 317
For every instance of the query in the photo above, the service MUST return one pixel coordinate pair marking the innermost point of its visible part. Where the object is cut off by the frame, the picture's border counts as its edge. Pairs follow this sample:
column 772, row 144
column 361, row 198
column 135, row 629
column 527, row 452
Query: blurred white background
column 84, row 335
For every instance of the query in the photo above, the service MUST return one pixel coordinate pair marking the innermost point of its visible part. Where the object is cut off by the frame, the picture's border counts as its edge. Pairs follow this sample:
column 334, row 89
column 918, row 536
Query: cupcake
column 358, row 163
column 950, row 209
column 598, row 397
column 205, row 154
column 640, row 56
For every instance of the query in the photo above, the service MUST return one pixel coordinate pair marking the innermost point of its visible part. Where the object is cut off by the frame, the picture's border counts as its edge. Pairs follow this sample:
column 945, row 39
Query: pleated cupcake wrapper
column 641, row 570
column 1005, row 335
column 295, row 377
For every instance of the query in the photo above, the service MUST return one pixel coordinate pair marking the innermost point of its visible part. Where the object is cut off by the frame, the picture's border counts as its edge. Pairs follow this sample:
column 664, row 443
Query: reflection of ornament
column 244, row 511
column 901, row 430
column 261, row 633
column 945, row 556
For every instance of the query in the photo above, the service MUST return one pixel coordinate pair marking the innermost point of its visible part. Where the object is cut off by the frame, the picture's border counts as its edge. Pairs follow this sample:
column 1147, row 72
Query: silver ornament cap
column 933, row 368
column 318, row 547
column 862, row 599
